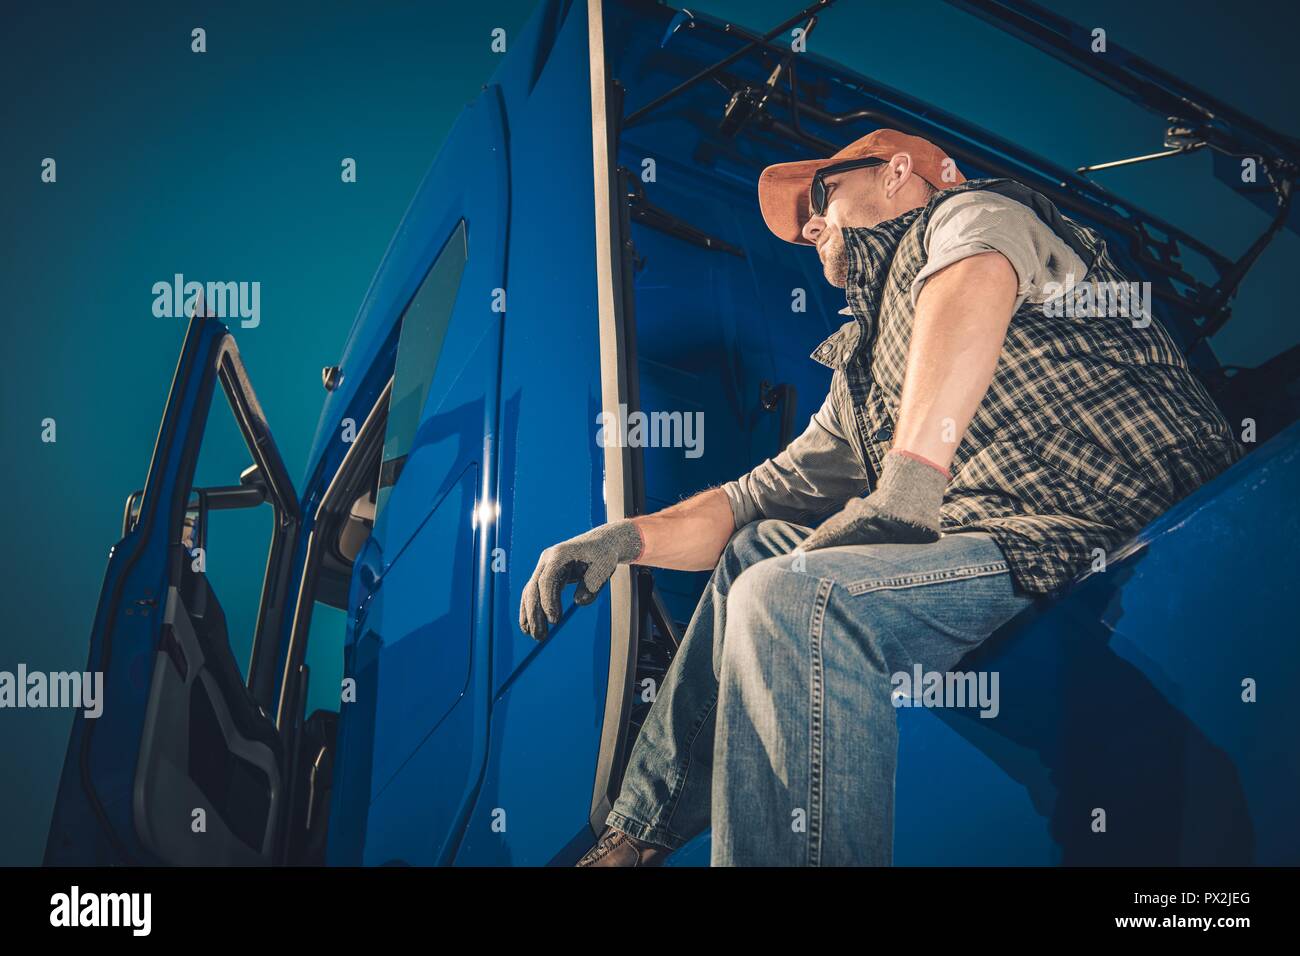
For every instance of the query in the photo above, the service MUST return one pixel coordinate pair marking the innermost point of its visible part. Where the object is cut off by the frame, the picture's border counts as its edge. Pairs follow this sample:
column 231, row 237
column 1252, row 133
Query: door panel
column 426, row 620
column 181, row 731
column 417, row 640
column 555, row 478
column 195, row 755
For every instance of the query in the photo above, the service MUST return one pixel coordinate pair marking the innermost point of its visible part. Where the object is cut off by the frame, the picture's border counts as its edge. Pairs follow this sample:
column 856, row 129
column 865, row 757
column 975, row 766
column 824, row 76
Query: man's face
column 861, row 198
column 854, row 198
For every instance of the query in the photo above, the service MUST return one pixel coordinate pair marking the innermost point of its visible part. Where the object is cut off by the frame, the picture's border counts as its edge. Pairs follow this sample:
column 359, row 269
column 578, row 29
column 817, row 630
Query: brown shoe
column 616, row 848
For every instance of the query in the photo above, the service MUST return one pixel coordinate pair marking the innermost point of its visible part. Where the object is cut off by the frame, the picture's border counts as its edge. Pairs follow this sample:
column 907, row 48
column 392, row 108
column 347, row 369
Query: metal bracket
column 647, row 214
column 805, row 14
column 749, row 100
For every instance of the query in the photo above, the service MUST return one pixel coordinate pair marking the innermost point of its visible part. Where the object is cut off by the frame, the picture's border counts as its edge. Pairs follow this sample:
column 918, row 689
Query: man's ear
column 899, row 169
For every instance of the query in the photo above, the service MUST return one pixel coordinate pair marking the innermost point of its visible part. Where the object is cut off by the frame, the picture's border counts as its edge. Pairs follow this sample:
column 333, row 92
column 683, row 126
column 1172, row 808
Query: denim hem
column 659, row 836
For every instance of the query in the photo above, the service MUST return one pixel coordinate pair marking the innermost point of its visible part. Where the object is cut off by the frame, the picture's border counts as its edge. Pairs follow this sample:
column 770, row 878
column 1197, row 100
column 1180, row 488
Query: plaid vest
column 1092, row 426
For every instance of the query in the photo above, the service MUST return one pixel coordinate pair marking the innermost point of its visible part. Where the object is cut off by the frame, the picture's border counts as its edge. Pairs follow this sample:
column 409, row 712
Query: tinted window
column 424, row 325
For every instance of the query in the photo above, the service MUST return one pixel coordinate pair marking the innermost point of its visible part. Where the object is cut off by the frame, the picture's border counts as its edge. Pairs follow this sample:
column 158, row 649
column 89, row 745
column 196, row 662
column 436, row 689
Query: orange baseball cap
column 783, row 188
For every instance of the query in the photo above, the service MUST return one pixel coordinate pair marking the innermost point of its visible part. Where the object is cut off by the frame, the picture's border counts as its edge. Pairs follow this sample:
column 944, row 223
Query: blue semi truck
column 374, row 701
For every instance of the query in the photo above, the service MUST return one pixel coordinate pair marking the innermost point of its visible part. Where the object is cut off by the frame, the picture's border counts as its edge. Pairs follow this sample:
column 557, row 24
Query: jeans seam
column 817, row 690
column 924, row 578
column 670, row 804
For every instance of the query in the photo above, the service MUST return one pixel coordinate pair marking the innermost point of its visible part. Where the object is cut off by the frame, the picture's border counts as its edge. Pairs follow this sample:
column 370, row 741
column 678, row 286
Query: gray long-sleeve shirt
column 814, row 476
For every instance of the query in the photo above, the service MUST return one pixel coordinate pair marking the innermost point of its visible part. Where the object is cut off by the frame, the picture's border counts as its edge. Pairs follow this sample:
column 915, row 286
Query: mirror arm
column 227, row 497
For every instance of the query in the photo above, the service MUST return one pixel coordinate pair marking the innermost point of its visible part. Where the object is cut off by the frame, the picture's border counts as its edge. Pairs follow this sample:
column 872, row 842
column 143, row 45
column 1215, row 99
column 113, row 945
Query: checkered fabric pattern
column 1092, row 426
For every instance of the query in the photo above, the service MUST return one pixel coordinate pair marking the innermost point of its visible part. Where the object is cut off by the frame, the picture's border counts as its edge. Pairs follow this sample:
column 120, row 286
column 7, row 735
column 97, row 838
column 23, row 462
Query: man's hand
column 903, row 509
column 588, row 559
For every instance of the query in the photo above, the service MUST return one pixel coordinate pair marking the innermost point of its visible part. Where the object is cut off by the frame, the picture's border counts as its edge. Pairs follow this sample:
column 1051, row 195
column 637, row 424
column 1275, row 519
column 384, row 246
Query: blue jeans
column 775, row 722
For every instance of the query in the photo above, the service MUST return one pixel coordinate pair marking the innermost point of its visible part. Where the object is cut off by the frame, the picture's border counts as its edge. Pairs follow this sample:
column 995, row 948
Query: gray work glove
column 903, row 509
column 589, row 559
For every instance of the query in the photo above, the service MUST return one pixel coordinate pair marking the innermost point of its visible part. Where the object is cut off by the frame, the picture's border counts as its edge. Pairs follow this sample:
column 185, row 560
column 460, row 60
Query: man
column 1005, row 441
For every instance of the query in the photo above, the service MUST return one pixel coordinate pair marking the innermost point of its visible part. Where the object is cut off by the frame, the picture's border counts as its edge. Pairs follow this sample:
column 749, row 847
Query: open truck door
column 184, row 765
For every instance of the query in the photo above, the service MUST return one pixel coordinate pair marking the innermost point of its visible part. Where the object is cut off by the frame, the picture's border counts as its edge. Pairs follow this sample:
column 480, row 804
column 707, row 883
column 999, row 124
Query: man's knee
column 761, row 608
column 761, row 539
column 756, row 586
column 777, row 602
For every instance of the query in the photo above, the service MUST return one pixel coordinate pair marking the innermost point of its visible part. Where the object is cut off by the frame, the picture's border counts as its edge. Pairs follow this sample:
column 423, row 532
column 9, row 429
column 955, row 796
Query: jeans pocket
column 921, row 578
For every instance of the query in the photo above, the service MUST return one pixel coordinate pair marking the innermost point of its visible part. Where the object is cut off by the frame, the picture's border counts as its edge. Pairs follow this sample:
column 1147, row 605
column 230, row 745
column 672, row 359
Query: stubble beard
column 835, row 260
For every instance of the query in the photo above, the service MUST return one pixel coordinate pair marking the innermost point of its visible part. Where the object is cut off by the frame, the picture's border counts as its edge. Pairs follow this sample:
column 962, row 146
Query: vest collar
column 871, row 253
column 836, row 351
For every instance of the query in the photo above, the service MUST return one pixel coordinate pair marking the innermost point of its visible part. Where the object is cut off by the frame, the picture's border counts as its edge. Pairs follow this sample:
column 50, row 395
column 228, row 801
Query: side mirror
column 251, row 477
column 131, row 514
column 249, row 493
column 194, row 530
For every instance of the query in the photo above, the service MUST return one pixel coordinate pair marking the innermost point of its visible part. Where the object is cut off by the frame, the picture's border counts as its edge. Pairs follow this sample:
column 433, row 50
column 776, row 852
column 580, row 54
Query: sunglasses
column 817, row 193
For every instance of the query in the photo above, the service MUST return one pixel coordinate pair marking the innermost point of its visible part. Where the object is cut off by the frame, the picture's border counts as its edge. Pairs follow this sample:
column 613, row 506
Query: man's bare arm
column 690, row 535
column 961, row 321
column 815, row 472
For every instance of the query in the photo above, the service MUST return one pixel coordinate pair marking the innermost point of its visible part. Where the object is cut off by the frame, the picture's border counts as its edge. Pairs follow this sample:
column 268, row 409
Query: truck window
column 423, row 327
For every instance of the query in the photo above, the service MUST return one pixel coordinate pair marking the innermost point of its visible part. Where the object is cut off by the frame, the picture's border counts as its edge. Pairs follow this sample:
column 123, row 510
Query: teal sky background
column 226, row 166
